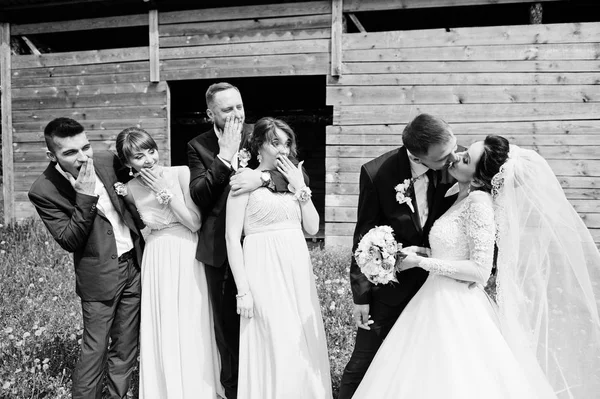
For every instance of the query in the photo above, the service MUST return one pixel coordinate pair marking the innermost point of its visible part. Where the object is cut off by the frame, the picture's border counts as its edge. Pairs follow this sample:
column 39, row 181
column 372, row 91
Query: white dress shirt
column 120, row 230
column 421, row 184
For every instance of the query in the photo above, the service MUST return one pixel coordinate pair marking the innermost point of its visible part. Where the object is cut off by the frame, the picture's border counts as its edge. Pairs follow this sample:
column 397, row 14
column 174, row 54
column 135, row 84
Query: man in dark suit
column 213, row 162
column 77, row 202
column 429, row 146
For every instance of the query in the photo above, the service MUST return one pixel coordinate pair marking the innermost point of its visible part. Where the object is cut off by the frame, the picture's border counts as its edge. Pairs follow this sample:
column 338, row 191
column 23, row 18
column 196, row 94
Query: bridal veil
column 548, row 282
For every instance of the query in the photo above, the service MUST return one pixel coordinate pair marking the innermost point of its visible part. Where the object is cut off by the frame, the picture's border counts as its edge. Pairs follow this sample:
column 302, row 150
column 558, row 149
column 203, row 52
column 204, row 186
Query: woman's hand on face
column 245, row 305
column 292, row 173
column 152, row 179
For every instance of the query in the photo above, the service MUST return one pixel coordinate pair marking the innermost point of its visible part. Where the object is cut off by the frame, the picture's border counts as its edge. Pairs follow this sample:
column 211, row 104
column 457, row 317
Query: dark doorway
column 298, row 100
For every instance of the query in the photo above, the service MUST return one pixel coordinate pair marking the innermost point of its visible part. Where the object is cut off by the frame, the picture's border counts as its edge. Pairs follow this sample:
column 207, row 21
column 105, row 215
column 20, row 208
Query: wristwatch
column 265, row 177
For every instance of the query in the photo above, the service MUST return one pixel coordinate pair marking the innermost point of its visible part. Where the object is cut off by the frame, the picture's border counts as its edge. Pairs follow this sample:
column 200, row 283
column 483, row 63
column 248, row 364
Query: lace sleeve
column 480, row 231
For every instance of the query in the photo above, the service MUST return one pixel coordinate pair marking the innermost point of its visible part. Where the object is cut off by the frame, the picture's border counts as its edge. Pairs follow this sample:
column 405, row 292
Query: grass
column 40, row 314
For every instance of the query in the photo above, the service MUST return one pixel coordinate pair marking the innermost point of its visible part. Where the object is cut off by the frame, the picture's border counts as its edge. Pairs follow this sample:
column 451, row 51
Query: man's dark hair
column 61, row 127
column 423, row 132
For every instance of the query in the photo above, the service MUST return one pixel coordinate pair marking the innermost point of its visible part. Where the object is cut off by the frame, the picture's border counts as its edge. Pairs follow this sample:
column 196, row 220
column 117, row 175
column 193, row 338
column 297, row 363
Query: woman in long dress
column 449, row 342
column 178, row 355
column 283, row 350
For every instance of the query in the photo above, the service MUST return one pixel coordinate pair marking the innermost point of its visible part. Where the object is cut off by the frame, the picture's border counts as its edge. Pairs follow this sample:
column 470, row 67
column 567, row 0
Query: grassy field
column 40, row 315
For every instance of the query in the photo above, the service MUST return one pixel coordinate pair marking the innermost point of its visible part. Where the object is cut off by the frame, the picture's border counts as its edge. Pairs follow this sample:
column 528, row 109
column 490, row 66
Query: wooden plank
column 338, row 242
column 382, row 114
column 491, row 35
column 81, row 57
column 7, row 125
column 579, row 152
column 244, row 37
column 356, row 22
column 560, row 167
column 94, row 124
column 246, row 12
column 569, row 51
column 78, row 70
column 246, row 25
column 59, row 81
column 102, row 100
column 448, row 67
column 563, row 129
column 434, row 79
column 247, row 49
column 96, row 135
column 87, row 90
column 467, row 94
column 381, row 5
column 154, row 46
column 321, row 68
column 336, row 37
column 258, row 62
column 81, row 24
column 143, row 112
column 395, row 140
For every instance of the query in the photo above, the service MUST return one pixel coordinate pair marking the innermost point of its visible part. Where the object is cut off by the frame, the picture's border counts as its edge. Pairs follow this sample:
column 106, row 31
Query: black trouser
column 119, row 320
column 222, row 291
column 366, row 345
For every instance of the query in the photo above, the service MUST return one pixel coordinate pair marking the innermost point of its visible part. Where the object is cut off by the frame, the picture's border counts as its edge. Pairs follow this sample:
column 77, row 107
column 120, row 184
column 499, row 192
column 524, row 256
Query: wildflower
column 45, row 367
column 332, row 306
column 7, row 383
column 41, row 280
column 26, row 334
column 46, row 243
column 8, row 330
column 2, row 242
column 341, row 291
column 2, row 252
column 327, row 281
column 54, row 298
column 17, row 371
column 72, row 337
column 46, row 360
column 11, row 337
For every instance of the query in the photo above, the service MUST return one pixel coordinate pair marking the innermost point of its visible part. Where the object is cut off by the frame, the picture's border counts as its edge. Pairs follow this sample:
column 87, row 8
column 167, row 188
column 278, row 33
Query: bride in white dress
column 450, row 341
column 178, row 355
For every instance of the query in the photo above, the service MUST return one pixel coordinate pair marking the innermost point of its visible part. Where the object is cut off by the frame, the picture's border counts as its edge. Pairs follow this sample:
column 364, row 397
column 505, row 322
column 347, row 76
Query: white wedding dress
column 447, row 342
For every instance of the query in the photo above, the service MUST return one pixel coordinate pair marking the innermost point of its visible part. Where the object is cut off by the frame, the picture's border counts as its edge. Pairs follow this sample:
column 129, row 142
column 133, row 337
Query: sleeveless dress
column 178, row 354
column 283, row 348
column 447, row 343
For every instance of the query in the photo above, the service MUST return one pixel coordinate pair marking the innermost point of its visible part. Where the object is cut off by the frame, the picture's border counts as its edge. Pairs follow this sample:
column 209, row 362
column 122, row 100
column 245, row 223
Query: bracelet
column 238, row 296
column 303, row 194
column 164, row 196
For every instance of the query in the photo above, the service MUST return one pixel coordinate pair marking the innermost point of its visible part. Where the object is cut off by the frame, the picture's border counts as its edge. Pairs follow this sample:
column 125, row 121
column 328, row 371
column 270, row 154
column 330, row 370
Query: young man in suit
column 429, row 147
column 77, row 202
column 213, row 162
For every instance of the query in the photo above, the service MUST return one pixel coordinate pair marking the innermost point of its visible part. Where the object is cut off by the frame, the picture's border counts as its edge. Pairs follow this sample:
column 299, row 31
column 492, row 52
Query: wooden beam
column 336, row 37
column 81, row 24
column 154, row 48
column 381, row 5
column 356, row 22
column 34, row 50
column 7, row 143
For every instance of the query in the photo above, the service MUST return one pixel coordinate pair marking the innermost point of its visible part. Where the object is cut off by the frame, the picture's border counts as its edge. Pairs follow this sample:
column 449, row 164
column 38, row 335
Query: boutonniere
column 404, row 192
column 120, row 189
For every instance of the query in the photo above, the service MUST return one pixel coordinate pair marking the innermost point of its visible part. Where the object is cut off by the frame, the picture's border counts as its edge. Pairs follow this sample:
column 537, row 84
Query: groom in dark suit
column 429, row 146
column 213, row 161
column 77, row 202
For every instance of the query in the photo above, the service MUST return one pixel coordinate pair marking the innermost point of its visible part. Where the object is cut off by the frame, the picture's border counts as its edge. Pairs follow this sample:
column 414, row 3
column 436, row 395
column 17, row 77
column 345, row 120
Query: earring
column 130, row 171
column 259, row 157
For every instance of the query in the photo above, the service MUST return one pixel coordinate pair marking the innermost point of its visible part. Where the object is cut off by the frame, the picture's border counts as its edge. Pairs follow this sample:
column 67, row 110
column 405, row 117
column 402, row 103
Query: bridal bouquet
column 376, row 255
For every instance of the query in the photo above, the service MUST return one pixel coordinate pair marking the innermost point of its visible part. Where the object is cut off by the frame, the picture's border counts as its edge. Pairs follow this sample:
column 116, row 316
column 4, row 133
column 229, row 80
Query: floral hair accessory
column 376, row 255
column 120, row 189
column 164, row 196
column 244, row 156
column 404, row 192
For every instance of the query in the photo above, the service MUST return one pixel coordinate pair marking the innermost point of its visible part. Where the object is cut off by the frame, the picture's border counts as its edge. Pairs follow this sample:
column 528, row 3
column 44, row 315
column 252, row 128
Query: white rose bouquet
column 376, row 255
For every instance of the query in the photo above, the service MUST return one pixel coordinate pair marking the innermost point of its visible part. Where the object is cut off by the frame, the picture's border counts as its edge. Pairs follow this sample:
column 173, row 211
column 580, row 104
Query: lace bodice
column 154, row 215
column 462, row 240
column 271, row 211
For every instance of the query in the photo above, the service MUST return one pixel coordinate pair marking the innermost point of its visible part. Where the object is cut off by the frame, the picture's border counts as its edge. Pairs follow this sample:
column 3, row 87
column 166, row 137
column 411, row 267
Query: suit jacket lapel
column 405, row 172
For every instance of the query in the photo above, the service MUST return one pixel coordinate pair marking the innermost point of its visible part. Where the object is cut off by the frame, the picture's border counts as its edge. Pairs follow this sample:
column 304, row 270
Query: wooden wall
column 537, row 85
column 269, row 40
column 106, row 91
